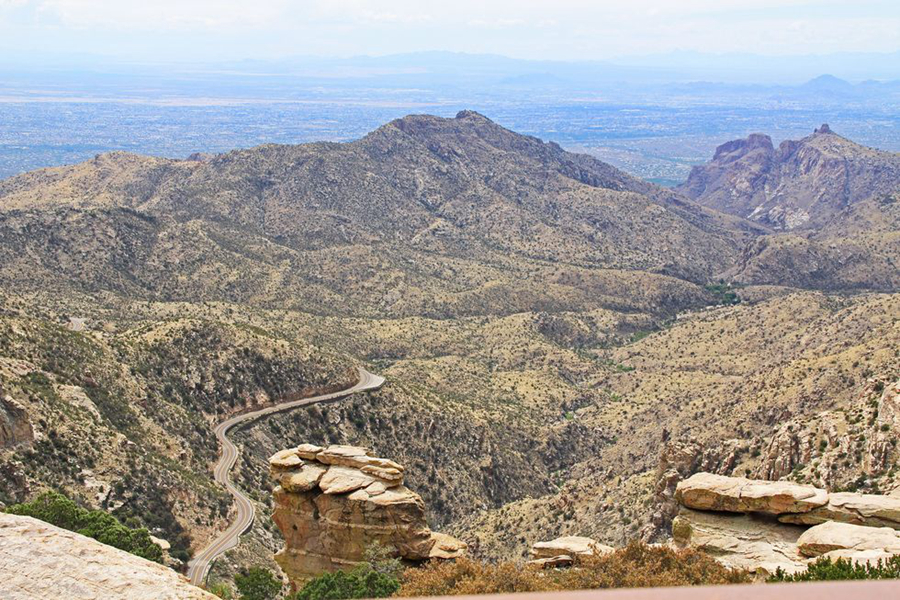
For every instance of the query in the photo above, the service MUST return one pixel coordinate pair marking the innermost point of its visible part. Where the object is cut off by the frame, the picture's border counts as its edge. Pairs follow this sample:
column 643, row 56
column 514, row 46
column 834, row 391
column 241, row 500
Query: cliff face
column 802, row 183
column 332, row 503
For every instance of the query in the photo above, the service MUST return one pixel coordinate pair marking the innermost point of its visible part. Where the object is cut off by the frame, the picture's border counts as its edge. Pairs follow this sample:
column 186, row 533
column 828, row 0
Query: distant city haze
column 651, row 87
column 228, row 30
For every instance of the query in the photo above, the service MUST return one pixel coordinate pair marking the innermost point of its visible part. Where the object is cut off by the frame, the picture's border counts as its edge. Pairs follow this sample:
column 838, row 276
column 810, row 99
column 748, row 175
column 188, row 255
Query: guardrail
column 829, row 590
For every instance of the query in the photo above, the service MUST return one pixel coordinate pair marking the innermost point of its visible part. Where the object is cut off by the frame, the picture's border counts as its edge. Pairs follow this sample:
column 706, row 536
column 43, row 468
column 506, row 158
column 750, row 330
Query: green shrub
column 257, row 584
column 377, row 577
column 824, row 569
column 361, row 582
column 56, row 509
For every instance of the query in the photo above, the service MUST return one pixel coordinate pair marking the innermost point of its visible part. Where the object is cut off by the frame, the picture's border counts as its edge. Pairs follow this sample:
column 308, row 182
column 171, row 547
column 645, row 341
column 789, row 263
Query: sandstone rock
column 15, row 427
column 303, row 479
column 868, row 557
column 308, row 451
column 705, row 491
column 38, row 560
column 343, row 480
column 356, row 457
column 831, row 536
column 554, row 562
column 445, row 546
column 285, row 459
column 332, row 508
column 570, row 545
column 747, row 542
column 858, row 509
column 387, row 473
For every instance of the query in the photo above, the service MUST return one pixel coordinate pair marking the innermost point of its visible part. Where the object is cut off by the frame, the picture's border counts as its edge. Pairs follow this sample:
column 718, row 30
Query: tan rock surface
column 831, row 536
column 572, row 545
column 858, row 509
column 706, row 491
column 330, row 512
column 40, row 561
column 741, row 541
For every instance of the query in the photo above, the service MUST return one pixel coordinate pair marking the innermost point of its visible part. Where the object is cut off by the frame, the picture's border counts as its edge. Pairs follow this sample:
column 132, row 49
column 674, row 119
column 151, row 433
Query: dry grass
column 637, row 565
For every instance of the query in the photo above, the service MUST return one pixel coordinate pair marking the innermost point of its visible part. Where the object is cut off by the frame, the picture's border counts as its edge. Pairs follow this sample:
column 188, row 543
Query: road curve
column 228, row 539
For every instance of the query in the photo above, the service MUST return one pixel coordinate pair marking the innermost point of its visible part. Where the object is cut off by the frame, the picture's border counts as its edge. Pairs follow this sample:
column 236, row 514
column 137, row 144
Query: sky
column 225, row 30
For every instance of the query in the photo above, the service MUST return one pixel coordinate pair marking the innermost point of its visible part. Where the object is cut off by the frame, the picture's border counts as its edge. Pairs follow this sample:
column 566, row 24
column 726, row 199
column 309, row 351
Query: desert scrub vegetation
column 636, row 565
column 56, row 509
column 824, row 569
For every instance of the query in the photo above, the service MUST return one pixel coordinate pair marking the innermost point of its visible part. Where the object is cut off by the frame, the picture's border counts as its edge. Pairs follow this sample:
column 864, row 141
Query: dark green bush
column 257, row 584
column 56, row 509
column 362, row 582
column 824, row 569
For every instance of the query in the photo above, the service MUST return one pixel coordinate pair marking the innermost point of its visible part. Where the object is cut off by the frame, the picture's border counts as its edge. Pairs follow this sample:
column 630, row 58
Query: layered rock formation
column 801, row 183
column 39, row 560
column 760, row 525
column 562, row 551
column 333, row 503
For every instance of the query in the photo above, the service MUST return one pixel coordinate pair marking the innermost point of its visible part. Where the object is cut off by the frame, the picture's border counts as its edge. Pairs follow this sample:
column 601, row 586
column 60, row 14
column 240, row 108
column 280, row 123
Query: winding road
column 228, row 539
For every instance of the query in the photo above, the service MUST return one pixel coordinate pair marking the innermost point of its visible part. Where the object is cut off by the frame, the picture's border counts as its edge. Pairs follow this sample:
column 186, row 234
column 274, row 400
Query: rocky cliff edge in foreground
column 40, row 561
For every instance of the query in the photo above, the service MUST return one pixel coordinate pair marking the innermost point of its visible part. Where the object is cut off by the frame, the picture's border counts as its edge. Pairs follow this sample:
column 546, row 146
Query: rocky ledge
column 562, row 551
column 766, row 525
column 332, row 503
column 39, row 560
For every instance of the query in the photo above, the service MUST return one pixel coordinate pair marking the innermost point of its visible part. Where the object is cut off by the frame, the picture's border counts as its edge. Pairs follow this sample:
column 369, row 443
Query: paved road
column 228, row 539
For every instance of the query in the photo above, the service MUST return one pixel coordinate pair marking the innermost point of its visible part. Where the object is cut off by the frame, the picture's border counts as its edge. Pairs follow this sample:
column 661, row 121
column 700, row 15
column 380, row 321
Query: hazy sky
column 559, row 29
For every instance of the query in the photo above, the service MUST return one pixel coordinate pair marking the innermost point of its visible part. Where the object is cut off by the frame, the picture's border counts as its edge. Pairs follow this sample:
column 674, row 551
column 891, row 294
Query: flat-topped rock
column 572, row 545
column 706, row 491
column 739, row 541
column 832, row 536
column 871, row 510
column 39, row 561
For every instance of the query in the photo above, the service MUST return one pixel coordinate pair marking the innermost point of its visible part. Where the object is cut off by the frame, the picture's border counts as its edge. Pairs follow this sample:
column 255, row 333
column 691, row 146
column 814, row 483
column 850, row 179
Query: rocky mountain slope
column 548, row 326
column 801, row 184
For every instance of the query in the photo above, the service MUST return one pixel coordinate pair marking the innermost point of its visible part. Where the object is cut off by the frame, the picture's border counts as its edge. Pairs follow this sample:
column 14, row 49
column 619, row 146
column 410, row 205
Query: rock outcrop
column 332, row 503
column 39, row 560
column 762, row 526
column 871, row 510
column 741, row 541
column 15, row 428
column 562, row 551
column 705, row 491
column 800, row 184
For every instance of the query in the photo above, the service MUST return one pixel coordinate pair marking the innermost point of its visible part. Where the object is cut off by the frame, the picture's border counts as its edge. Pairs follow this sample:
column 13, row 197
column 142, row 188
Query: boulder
column 302, row 479
column 858, row 509
column 831, row 536
column 332, row 507
column 750, row 542
column 343, row 480
column 706, row 491
column 308, row 451
column 554, row 562
column 570, row 545
column 39, row 560
column 445, row 546
column 285, row 459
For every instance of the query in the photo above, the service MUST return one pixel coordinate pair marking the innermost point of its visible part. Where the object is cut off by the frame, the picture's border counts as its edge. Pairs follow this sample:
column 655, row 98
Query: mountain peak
column 471, row 114
column 824, row 129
